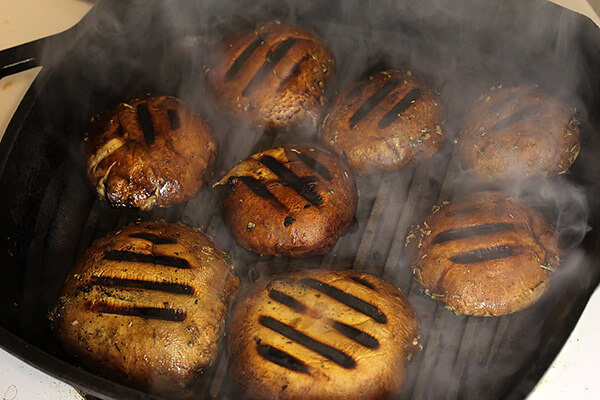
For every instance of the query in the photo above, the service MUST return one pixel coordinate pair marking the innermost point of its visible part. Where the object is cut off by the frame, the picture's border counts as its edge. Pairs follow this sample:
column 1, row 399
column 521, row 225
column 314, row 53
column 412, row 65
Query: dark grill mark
column 315, row 165
column 516, row 117
column 481, row 255
column 258, row 188
column 146, row 123
column 372, row 101
column 357, row 335
column 477, row 230
column 331, row 353
column 362, row 282
column 163, row 314
column 351, row 301
column 130, row 256
column 119, row 132
column 293, row 72
column 292, row 180
column 399, row 108
column 155, row 239
column 310, row 179
column 460, row 211
column 286, row 300
column 174, row 120
column 288, row 221
column 241, row 60
column 356, row 90
column 281, row 358
column 169, row 287
column 273, row 57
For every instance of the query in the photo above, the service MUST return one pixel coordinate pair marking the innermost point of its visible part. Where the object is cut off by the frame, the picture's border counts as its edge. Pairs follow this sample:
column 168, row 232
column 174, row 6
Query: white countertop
column 572, row 375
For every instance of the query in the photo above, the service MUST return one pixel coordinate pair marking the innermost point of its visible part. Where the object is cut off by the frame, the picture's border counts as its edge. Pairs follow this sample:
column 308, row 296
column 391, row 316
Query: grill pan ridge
column 49, row 216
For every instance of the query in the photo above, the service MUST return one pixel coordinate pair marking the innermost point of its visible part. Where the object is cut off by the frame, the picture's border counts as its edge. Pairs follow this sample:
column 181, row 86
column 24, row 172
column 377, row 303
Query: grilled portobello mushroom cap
column 289, row 201
column 518, row 132
column 146, row 306
column 385, row 122
column 322, row 335
column 150, row 151
column 485, row 255
column 273, row 76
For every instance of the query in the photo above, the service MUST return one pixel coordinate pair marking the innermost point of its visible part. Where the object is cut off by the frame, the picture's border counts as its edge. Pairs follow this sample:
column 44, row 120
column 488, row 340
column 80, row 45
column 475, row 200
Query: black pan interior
column 123, row 49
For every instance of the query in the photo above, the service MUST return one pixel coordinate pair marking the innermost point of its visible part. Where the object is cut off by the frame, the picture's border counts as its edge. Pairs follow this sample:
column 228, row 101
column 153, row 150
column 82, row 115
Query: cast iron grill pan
column 49, row 215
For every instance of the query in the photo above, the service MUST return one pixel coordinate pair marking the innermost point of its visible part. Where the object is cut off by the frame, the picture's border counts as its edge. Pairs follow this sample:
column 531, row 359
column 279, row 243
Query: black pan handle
column 23, row 57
